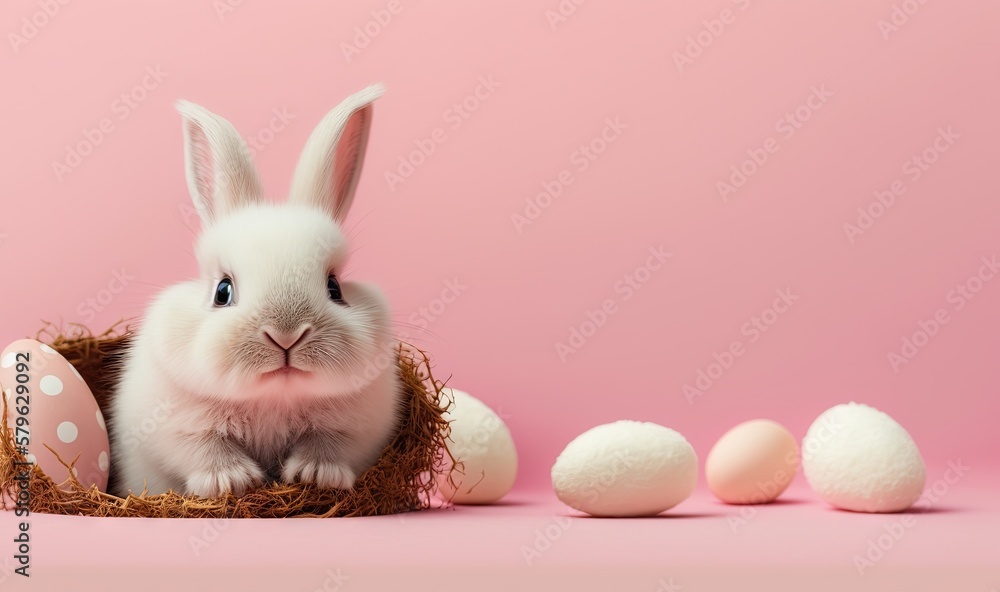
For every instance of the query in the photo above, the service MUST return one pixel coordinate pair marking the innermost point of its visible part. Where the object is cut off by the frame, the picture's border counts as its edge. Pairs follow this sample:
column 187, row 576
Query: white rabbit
column 266, row 367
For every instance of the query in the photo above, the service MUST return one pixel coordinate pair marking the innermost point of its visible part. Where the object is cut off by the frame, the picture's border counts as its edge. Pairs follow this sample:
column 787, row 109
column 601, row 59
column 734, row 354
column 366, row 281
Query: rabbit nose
column 286, row 340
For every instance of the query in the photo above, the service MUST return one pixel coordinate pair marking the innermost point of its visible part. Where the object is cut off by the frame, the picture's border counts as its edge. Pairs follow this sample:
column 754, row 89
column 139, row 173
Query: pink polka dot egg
column 48, row 403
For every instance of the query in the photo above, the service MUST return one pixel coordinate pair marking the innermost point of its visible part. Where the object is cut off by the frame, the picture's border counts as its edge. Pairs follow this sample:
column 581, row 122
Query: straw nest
column 402, row 480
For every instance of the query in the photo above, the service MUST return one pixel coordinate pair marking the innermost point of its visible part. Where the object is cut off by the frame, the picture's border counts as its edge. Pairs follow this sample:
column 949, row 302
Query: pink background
column 531, row 542
column 655, row 185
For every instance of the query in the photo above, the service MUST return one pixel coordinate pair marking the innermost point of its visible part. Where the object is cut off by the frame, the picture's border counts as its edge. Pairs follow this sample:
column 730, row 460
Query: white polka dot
column 67, row 432
column 75, row 474
column 7, row 393
column 100, row 421
column 102, row 461
column 31, row 458
column 50, row 385
column 45, row 348
column 76, row 372
column 8, row 360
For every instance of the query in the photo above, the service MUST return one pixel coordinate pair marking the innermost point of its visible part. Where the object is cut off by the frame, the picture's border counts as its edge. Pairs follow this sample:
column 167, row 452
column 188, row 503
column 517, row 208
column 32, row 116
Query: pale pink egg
column 48, row 402
column 753, row 463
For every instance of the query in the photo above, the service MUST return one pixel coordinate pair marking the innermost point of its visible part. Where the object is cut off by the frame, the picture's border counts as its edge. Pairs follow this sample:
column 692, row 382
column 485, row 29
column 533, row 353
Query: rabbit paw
column 235, row 478
column 304, row 468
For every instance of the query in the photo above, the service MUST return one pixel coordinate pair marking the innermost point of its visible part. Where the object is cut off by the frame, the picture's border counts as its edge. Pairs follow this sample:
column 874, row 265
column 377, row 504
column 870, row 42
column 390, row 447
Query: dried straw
column 402, row 480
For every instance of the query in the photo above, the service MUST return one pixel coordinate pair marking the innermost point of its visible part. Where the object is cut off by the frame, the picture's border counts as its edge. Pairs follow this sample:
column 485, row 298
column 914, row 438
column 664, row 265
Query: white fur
column 194, row 412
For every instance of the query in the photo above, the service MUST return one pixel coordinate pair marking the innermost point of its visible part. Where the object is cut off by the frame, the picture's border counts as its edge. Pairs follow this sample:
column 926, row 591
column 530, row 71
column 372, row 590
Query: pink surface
column 531, row 537
column 797, row 530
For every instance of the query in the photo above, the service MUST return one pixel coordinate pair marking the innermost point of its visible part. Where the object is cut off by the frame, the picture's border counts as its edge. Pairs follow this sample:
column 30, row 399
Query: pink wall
column 864, row 104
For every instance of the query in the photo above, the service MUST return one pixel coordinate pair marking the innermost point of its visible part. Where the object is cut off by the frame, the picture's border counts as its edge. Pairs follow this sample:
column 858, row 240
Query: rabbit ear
column 220, row 174
column 330, row 165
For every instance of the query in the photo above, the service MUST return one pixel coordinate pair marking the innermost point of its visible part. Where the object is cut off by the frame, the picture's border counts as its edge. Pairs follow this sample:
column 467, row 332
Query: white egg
column 858, row 458
column 483, row 445
column 626, row 468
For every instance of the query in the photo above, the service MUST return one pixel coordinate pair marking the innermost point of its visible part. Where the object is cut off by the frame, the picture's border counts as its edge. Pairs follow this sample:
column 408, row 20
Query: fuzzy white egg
column 626, row 468
column 858, row 458
column 482, row 443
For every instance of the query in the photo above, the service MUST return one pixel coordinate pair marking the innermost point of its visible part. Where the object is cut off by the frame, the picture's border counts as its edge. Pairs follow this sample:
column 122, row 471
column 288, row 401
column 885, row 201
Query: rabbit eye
column 224, row 292
column 333, row 287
